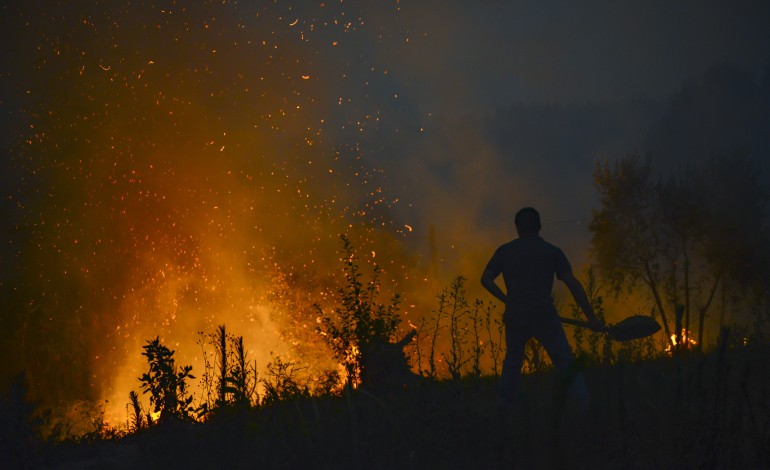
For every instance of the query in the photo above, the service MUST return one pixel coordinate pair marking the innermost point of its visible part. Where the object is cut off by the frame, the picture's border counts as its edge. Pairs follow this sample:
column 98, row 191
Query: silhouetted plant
column 457, row 310
column 283, row 382
column 236, row 379
column 231, row 379
column 166, row 384
column 242, row 380
column 100, row 429
column 222, row 383
column 472, row 331
column 477, row 350
column 361, row 320
column 439, row 313
column 590, row 345
column 418, row 348
column 138, row 420
column 328, row 383
column 495, row 339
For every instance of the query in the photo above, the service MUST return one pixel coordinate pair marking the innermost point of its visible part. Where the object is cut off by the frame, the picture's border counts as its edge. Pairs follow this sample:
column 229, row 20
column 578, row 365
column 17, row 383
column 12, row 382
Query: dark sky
column 476, row 57
column 159, row 156
column 419, row 65
column 556, row 87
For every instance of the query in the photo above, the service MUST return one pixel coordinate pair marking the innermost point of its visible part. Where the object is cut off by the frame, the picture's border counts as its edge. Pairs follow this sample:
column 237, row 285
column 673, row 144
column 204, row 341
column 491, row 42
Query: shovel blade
column 634, row 327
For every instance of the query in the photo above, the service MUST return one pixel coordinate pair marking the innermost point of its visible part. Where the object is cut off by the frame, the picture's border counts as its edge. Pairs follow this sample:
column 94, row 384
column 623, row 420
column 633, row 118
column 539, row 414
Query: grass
column 690, row 411
column 649, row 409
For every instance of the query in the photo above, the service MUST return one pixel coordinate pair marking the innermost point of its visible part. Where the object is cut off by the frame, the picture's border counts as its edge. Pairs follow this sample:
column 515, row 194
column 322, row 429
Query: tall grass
column 637, row 422
column 649, row 408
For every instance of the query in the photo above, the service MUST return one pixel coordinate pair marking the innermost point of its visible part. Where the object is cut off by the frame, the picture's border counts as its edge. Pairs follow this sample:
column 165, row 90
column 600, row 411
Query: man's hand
column 596, row 325
column 579, row 294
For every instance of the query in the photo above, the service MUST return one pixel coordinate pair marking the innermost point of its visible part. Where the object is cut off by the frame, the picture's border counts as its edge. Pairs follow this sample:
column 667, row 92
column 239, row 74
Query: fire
column 687, row 341
column 184, row 200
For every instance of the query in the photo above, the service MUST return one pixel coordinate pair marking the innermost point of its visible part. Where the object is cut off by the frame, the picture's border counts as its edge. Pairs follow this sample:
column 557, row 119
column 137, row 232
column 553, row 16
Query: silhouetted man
column 528, row 265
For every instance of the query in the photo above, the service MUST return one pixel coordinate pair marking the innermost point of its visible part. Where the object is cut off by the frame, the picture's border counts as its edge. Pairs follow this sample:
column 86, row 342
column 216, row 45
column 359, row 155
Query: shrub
column 166, row 385
column 352, row 329
column 282, row 382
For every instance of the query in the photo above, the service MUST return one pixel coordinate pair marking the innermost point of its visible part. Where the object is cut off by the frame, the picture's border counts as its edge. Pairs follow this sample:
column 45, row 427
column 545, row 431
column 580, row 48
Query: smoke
column 179, row 168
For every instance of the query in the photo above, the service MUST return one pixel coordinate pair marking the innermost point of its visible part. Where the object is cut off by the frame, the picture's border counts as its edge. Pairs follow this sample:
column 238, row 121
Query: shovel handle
column 574, row 322
column 583, row 324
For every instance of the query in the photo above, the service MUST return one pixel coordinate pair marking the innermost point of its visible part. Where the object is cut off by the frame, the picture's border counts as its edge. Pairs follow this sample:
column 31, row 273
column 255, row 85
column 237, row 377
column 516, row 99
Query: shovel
column 634, row 327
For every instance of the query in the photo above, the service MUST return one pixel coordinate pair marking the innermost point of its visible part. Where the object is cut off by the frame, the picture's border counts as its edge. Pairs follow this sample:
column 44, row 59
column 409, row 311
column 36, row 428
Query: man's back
column 528, row 265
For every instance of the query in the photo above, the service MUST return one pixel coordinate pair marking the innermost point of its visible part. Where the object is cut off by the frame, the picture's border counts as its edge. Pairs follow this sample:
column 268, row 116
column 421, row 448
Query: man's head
column 528, row 221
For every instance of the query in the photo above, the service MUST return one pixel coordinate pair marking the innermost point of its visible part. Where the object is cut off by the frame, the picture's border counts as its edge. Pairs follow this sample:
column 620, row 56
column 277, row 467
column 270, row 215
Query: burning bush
column 360, row 328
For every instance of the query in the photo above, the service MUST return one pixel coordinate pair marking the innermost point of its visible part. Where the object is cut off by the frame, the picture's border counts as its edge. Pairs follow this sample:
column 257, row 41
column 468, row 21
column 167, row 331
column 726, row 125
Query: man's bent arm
column 488, row 281
column 580, row 296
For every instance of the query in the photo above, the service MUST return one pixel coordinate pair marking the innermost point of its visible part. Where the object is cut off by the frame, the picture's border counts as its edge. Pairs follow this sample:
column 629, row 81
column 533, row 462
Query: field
column 687, row 411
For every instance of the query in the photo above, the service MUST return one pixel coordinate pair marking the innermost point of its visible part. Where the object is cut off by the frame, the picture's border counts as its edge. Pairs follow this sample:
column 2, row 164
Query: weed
column 231, row 379
column 478, row 345
column 138, row 420
column 283, row 382
column 453, row 298
column 495, row 339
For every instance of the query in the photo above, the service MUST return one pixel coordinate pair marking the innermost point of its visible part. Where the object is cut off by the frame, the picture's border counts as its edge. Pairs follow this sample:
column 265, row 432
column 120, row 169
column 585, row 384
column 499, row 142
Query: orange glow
column 687, row 341
column 180, row 193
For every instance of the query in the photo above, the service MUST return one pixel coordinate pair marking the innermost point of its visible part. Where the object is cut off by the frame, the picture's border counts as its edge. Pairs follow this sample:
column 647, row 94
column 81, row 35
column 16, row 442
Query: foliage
column 138, row 419
column 687, row 411
column 683, row 235
column 360, row 322
column 495, row 338
column 598, row 348
column 475, row 335
column 477, row 343
column 454, row 307
column 100, row 429
column 283, row 382
column 166, row 384
column 231, row 380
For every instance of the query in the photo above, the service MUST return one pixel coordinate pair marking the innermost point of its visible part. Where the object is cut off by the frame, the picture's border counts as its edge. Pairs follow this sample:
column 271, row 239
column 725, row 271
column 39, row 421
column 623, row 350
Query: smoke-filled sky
column 167, row 164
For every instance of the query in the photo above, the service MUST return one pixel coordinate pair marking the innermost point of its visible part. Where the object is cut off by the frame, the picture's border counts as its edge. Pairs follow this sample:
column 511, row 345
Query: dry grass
column 690, row 411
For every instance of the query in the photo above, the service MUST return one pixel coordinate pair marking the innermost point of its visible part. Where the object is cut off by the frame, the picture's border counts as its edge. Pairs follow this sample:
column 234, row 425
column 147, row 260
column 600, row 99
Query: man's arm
column 488, row 281
column 580, row 296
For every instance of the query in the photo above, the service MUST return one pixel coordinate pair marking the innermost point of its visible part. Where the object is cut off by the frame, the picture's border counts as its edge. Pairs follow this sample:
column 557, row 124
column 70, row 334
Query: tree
column 737, row 224
column 625, row 242
column 681, row 235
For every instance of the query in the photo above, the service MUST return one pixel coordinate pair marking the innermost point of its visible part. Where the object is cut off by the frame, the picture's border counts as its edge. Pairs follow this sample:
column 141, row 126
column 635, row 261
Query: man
column 528, row 265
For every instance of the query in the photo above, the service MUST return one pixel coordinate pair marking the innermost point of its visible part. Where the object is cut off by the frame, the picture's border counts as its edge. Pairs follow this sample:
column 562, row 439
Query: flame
column 180, row 197
column 687, row 341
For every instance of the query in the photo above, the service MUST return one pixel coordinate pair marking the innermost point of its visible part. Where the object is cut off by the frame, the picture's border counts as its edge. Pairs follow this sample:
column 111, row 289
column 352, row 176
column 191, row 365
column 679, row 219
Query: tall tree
column 681, row 235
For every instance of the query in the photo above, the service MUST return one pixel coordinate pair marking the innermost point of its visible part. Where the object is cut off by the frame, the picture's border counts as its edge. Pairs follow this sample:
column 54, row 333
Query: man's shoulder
column 550, row 245
column 509, row 246
column 524, row 245
column 522, row 242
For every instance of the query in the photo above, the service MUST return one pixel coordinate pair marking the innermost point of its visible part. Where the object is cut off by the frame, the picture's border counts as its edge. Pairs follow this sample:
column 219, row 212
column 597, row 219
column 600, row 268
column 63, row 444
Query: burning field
column 171, row 169
column 179, row 168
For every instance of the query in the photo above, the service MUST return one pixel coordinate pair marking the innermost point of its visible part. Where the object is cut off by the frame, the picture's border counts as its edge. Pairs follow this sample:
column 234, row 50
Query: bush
column 360, row 323
column 166, row 385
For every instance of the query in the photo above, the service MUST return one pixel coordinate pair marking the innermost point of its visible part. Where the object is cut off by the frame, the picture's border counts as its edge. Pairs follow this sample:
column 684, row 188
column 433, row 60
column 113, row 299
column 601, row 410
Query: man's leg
column 554, row 340
column 515, row 341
